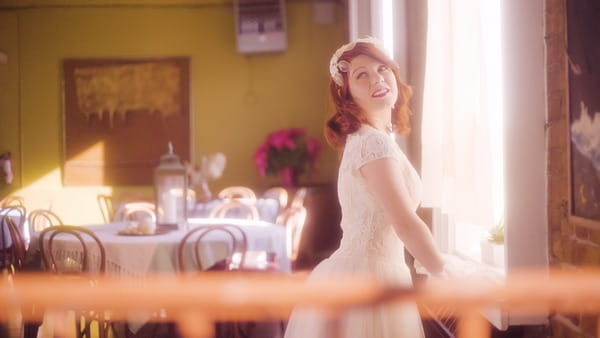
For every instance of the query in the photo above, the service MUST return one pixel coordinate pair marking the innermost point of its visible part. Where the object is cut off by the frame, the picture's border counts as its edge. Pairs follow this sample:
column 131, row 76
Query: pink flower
column 282, row 139
column 287, row 153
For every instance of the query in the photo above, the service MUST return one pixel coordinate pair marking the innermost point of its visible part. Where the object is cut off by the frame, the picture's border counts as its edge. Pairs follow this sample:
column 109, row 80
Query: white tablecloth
column 141, row 255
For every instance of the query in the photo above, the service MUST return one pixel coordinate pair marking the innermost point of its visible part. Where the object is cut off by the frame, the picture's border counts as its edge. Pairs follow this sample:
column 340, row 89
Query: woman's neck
column 382, row 123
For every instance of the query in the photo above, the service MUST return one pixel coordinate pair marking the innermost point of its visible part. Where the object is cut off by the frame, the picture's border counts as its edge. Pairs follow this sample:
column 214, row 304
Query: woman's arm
column 385, row 182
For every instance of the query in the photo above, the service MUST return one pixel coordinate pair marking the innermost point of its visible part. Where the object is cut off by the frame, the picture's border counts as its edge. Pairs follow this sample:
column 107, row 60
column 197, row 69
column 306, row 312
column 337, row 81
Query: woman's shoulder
column 368, row 142
column 367, row 135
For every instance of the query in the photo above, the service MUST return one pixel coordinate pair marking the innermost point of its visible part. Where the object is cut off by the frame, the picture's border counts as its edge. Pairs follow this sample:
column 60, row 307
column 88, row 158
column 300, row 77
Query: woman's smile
column 380, row 92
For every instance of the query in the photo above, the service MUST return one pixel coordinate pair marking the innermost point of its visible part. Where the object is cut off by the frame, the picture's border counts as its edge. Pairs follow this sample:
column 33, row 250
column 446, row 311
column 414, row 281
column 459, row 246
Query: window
column 491, row 166
column 494, row 138
column 462, row 161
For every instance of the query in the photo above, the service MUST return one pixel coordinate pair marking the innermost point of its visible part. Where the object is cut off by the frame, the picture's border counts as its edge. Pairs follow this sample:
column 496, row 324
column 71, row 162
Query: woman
column 378, row 191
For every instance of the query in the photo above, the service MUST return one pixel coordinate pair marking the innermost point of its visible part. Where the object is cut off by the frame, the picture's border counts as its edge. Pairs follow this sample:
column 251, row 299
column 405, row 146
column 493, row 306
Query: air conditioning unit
column 260, row 25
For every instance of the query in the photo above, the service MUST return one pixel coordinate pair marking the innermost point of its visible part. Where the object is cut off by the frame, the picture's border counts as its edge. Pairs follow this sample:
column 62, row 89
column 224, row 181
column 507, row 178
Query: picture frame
column 119, row 116
column 583, row 153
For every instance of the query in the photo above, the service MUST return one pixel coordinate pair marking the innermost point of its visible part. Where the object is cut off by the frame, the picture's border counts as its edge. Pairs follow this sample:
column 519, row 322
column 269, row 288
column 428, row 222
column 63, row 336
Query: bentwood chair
column 12, row 220
column 294, row 219
column 12, row 256
column 235, row 209
column 90, row 261
column 236, row 259
column 40, row 219
column 135, row 211
column 237, row 192
column 191, row 246
column 298, row 199
column 16, row 212
column 279, row 194
column 12, row 200
column 237, row 244
column 12, row 260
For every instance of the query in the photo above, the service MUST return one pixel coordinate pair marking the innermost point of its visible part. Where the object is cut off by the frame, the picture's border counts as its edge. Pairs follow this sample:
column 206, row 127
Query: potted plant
column 492, row 248
column 287, row 153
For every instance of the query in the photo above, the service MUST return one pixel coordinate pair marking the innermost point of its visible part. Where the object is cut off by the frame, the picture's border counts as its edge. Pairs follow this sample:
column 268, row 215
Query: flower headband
column 336, row 68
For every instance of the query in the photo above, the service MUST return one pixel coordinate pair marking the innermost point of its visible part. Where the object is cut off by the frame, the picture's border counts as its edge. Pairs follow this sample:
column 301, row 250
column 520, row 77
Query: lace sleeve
column 374, row 146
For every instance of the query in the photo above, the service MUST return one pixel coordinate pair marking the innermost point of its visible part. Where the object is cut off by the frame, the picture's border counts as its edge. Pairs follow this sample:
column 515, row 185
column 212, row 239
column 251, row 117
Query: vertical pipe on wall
column 19, row 110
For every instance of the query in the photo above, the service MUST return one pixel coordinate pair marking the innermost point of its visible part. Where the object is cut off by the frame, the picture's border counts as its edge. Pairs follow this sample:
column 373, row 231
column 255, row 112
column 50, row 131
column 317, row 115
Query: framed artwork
column 120, row 115
column 583, row 49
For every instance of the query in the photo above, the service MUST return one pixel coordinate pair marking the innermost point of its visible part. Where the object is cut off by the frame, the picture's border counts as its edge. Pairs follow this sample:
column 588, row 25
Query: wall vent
column 260, row 25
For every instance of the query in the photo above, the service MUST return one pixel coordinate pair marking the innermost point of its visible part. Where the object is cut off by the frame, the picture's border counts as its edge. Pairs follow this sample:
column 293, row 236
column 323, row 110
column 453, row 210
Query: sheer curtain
column 461, row 127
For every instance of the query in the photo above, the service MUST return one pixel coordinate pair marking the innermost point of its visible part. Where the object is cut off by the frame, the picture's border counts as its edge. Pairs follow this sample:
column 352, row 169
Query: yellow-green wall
column 236, row 99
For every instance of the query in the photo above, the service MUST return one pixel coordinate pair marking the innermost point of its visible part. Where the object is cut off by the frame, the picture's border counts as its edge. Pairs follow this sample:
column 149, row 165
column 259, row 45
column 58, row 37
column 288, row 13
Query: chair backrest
column 135, row 211
column 72, row 261
column 6, row 233
column 279, row 194
column 12, row 200
column 237, row 192
column 12, row 257
column 15, row 211
column 298, row 200
column 235, row 235
column 236, row 209
column 40, row 219
column 107, row 208
column 293, row 219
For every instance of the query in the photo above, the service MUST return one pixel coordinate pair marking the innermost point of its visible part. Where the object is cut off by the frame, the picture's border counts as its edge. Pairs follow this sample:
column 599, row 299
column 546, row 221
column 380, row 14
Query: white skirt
column 383, row 321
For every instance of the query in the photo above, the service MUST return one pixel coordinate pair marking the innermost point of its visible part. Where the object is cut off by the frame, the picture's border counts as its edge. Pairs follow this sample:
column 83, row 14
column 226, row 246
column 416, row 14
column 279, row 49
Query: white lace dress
column 369, row 246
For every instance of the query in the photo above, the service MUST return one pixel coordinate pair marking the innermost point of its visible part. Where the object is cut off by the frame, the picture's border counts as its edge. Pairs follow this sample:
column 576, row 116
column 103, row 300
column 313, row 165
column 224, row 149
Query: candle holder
column 170, row 188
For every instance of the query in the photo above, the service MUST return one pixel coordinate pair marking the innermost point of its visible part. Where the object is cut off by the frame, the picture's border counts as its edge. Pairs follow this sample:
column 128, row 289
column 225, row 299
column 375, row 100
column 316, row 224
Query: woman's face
column 372, row 85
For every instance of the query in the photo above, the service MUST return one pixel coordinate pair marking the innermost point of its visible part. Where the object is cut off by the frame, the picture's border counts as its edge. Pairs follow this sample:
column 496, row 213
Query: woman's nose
column 376, row 78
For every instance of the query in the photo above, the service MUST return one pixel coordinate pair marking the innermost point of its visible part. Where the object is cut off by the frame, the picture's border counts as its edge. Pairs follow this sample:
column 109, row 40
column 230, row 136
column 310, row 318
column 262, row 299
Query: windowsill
column 472, row 248
column 465, row 267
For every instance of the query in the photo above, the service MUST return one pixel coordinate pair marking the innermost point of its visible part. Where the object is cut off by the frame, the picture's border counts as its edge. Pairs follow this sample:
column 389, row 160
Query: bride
column 379, row 192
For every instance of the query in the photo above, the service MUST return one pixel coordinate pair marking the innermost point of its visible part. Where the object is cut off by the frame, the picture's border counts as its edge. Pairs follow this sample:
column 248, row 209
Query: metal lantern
column 170, row 188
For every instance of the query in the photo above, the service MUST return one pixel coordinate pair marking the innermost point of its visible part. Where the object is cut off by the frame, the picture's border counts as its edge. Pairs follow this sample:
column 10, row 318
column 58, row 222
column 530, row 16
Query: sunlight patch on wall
column 93, row 152
column 74, row 205
column 51, row 180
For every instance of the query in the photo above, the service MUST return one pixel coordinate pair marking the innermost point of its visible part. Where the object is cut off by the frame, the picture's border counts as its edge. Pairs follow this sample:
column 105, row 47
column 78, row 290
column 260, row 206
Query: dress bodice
column 365, row 228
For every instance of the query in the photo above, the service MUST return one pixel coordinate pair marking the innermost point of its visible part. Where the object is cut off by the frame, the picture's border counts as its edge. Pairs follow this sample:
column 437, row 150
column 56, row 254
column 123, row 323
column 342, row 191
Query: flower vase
column 492, row 253
column 288, row 177
column 203, row 194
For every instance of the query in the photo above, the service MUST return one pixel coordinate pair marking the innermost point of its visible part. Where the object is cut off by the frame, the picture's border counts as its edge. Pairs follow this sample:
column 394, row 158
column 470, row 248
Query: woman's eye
column 383, row 68
column 361, row 75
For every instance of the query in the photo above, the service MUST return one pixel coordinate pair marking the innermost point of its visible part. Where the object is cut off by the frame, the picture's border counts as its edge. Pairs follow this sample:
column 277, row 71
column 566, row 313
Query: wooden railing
column 195, row 302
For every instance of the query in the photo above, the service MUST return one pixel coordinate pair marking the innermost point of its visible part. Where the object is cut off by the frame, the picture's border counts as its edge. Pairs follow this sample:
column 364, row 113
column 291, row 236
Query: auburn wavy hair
column 346, row 116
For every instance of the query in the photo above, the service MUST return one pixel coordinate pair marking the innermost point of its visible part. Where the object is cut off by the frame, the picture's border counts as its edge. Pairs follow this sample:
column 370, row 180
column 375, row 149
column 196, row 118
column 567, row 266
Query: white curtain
column 461, row 159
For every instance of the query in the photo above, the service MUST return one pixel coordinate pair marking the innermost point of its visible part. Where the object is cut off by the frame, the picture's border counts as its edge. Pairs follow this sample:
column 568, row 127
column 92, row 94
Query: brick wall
column 573, row 243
